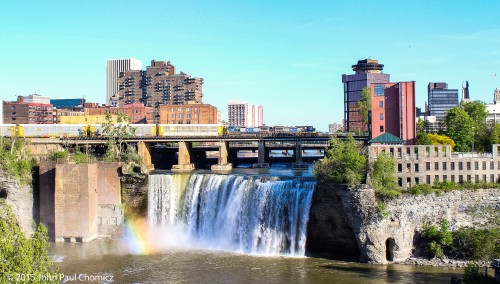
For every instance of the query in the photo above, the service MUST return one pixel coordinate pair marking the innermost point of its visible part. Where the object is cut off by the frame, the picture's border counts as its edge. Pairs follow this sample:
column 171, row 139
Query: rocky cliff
column 20, row 199
column 341, row 217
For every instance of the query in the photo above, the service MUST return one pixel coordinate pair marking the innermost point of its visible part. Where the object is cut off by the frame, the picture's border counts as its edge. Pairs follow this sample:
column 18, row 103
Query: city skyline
column 281, row 55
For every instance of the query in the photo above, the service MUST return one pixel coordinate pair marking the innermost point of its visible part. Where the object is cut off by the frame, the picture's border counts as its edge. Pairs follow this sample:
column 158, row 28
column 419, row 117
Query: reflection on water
column 187, row 265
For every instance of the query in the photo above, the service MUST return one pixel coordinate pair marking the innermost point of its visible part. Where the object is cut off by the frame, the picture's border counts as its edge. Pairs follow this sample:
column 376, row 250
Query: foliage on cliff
column 343, row 163
column 382, row 177
column 22, row 259
column 16, row 160
column 438, row 238
column 365, row 104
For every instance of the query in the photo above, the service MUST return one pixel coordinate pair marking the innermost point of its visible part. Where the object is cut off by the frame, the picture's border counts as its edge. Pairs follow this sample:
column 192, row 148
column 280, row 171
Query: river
column 246, row 227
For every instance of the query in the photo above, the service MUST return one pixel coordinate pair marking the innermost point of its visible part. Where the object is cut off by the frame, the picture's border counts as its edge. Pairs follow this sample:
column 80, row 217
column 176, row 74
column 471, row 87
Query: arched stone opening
column 390, row 245
column 3, row 193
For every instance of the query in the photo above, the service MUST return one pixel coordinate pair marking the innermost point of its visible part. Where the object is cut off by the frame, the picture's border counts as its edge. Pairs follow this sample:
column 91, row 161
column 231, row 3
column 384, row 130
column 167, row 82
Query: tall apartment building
column 158, row 85
column 441, row 99
column 113, row 68
column 367, row 72
column 189, row 114
column 32, row 109
column 243, row 114
column 393, row 111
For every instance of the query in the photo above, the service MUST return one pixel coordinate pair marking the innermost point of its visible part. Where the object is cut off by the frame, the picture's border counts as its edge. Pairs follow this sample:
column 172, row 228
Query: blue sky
column 285, row 55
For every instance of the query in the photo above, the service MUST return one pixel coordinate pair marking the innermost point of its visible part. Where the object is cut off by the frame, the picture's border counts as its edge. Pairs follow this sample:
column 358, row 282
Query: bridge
column 260, row 151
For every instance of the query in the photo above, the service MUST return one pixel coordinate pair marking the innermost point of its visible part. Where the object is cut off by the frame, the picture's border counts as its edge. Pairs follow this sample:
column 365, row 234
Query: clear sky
column 288, row 56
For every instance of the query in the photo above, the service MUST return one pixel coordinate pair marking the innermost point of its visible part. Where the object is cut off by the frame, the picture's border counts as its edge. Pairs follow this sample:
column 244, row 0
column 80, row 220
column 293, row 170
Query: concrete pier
column 184, row 158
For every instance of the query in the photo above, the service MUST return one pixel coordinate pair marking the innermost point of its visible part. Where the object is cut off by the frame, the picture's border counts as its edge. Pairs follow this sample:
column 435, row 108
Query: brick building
column 137, row 112
column 189, row 114
column 367, row 72
column 32, row 109
column 158, row 85
column 393, row 110
column 429, row 163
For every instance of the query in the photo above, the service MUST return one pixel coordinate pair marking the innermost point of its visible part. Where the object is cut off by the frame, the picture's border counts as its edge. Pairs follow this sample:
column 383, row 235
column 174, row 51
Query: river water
column 247, row 227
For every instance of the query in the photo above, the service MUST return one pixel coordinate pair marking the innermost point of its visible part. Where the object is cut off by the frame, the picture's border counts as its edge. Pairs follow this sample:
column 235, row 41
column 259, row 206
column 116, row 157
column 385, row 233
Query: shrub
column 81, row 158
column 437, row 238
column 59, row 155
column 382, row 210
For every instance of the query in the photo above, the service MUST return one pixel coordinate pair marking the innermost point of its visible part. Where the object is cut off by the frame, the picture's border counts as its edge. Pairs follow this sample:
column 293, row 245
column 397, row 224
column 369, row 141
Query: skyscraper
column 113, row 69
column 367, row 72
column 243, row 114
column 441, row 99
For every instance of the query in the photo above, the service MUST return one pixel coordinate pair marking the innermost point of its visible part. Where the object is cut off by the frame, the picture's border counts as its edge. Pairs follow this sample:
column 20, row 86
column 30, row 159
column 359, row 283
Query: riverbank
column 441, row 262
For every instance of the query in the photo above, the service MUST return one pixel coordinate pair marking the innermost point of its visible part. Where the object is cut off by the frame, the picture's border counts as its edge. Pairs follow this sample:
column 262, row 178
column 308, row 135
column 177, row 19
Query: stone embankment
column 346, row 222
column 20, row 199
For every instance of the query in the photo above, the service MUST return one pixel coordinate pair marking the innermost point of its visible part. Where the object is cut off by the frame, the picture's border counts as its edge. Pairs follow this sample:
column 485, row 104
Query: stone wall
column 20, row 199
column 379, row 240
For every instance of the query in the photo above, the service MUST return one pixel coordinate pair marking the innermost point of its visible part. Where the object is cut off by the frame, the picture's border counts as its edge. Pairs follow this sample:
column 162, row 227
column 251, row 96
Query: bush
column 437, row 238
column 383, row 178
column 81, row 158
column 16, row 160
column 59, row 155
column 382, row 210
column 482, row 244
column 24, row 256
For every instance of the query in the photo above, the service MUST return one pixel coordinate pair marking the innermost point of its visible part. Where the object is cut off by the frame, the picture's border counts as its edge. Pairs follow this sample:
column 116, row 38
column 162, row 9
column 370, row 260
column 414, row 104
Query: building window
column 378, row 90
column 400, row 168
column 476, row 166
column 381, row 116
column 460, row 166
column 381, row 128
column 436, row 166
column 452, row 166
column 14, row 107
column 416, row 168
column 445, row 166
column 428, row 166
column 381, row 104
column 468, row 166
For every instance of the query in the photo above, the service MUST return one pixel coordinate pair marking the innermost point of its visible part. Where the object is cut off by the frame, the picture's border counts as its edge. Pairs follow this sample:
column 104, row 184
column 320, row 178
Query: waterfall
column 262, row 215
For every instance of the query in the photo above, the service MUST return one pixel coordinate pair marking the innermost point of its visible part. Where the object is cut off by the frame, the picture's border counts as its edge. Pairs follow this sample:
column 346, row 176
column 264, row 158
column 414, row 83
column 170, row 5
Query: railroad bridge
column 222, row 152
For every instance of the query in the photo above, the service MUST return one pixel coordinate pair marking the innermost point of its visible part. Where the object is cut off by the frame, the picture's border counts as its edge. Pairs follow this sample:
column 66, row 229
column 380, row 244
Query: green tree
column 459, row 127
column 437, row 139
column 477, row 111
column 495, row 134
column 422, row 130
column 117, row 133
column 19, row 255
column 383, row 177
column 365, row 104
column 343, row 163
column 437, row 238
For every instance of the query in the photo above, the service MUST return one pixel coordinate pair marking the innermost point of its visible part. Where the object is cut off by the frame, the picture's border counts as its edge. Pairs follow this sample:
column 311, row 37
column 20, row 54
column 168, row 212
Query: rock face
column 338, row 212
column 135, row 195
column 20, row 199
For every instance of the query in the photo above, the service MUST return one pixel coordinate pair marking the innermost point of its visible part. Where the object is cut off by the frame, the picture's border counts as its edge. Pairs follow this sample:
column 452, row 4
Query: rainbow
column 137, row 237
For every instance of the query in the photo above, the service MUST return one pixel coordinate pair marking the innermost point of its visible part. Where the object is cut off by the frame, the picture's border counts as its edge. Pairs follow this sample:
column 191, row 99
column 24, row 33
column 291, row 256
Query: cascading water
column 263, row 215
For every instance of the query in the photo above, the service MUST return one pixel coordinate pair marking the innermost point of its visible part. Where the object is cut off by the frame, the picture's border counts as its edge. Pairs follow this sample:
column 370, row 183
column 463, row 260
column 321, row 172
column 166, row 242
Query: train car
column 50, row 130
column 193, row 130
column 145, row 130
column 8, row 130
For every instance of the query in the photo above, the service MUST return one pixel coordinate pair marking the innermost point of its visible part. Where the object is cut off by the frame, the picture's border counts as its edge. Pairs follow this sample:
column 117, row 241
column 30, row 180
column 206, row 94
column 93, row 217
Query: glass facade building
column 441, row 99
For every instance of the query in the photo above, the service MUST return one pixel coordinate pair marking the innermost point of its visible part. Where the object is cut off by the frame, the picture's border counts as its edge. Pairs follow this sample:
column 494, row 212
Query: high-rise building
column 243, row 114
column 393, row 110
column 158, row 85
column 441, row 99
column 113, row 69
column 335, row 127
column 465, row 93
column 367, row 72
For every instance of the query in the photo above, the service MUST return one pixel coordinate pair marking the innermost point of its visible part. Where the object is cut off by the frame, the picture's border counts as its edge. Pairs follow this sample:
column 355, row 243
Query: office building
column 32, row 109
column 494, row 109
column 393, row 111
column 189, row 114
column 113, row 69
column 243, row 114
column 441, row 99
column 367, row 72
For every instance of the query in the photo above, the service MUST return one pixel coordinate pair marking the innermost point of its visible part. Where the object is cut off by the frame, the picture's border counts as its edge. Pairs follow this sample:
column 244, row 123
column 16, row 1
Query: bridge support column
column 184, row 158
column 222, row 164
column 298, row 165
column 144, row 150
column 262, row 156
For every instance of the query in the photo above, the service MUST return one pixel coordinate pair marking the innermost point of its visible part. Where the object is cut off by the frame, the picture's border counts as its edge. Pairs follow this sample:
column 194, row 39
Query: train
column 151, row 130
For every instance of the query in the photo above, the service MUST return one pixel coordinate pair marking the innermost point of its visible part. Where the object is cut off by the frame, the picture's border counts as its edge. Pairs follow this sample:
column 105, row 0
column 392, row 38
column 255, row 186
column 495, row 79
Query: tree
column 477, row 111
column 383, row 177
column 117, row 133
column 365, row 104
column 343, row 163
column 495, row 134
column 22, row 259
column 459, row 127
column 437, row 139
column 422, row 130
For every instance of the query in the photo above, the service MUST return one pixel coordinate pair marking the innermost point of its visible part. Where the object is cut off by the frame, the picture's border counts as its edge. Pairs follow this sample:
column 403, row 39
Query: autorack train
column 151, row 130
